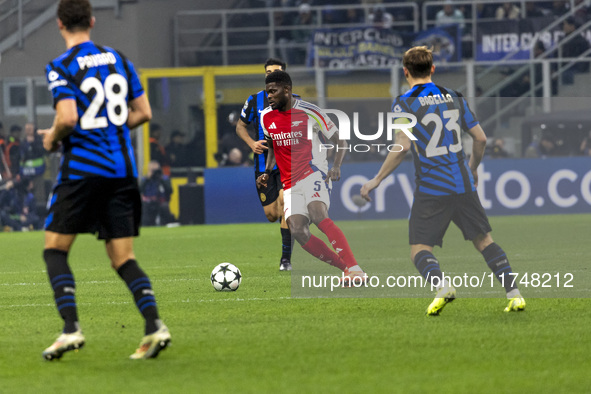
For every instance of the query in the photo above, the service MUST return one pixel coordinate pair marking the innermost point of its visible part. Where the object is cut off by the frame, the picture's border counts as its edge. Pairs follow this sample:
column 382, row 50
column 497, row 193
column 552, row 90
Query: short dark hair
column 279, row 77
column 75, row 14
column 418, row 61
column 273, row 61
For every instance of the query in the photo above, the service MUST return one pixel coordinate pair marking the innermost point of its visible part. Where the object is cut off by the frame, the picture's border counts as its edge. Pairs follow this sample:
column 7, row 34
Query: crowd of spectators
column 177, row 152
column 384, row 12
column 295, row 20
column 22, row 186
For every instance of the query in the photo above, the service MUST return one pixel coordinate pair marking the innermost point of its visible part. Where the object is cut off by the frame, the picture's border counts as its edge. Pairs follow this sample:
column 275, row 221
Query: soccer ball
column 226, row 277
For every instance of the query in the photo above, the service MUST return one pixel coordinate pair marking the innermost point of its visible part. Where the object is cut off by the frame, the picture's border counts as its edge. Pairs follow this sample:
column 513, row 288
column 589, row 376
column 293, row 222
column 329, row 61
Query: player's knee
column 117, row 262
column 482, row 241
column 272, row 216
column 317, row 215
column 272, row 213
column 300, row 234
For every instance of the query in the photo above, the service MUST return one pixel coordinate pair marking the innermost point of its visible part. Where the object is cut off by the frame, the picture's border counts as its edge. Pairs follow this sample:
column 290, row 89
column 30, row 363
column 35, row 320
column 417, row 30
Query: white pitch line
column 160, row 302
column 206, row 278
column 93, row 282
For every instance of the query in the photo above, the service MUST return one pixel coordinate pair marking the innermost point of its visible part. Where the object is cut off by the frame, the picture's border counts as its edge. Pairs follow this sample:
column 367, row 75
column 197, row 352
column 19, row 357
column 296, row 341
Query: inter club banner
column 497, row 39
column 376, row 47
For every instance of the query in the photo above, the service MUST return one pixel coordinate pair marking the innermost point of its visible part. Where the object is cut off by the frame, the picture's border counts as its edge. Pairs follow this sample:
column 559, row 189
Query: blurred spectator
column 176, row 150
column 156, row 190
column 379, row 17
column 559, row 7
column 157, row 151
column 518, row 87
column 331, row 16
column 307, row 20
column 498, row 149
column 573, row 48
column 18, row 210
column 552, row 144
column 282, row 32
column 547, row 147
column 449, row 15
column 230, row 140
column 583, row 13
column 32, row 154
column 508, row 11
column 3, row 164
column 484, row 11
column 532, row 10
column 235, row 158
column 353, row 16
column 195, row 147
column 12, row 152
column 523, row 84
column 585, row 148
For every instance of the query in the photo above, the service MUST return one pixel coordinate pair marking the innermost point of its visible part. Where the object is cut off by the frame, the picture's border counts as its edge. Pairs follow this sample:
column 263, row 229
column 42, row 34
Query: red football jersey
column 297, row 154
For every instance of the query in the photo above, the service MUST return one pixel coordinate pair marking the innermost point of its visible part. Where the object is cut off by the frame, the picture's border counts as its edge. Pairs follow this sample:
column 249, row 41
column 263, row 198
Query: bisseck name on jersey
column 101, row 59
column 435, row 99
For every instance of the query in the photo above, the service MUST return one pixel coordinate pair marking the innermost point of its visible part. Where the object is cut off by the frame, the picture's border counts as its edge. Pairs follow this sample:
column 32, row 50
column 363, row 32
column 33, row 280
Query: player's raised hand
column 48, row 142
column 368, row 187
column 262, row 180
column 334, row 174
column 259, row 146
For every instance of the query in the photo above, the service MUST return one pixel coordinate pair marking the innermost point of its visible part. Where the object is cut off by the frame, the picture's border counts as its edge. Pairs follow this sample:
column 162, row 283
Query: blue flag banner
column 498, row 39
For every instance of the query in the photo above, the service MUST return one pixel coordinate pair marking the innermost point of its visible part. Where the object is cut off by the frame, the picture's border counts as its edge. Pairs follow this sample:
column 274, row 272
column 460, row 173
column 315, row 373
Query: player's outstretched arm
column 258, row 147
column 391, row 163
column 334, row 174
column 264, row 178
column 140, row 111
column 478, row 148
column 66, row 118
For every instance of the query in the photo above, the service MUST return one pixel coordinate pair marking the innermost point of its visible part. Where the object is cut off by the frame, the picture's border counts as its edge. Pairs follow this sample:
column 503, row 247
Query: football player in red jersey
column 304, row 172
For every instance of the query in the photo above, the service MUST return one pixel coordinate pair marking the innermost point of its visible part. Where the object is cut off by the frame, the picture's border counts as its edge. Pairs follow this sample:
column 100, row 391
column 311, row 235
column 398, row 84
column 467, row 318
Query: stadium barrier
column 506, row 187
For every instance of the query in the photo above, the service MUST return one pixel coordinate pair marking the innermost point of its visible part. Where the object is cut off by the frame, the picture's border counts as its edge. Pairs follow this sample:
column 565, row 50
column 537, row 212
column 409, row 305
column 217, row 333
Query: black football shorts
column 269, row 194
column 430, row 217
column 110, row 206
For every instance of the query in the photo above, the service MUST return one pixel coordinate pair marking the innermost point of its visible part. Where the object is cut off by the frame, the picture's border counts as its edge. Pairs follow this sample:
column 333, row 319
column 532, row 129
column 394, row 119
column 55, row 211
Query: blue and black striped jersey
column 440, row 162
column 251, row 113
column 102, row 81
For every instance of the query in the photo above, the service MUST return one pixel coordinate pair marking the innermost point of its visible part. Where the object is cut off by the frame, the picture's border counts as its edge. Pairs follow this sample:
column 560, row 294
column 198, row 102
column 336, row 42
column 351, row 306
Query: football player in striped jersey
column 445, row 181
column 98, row 99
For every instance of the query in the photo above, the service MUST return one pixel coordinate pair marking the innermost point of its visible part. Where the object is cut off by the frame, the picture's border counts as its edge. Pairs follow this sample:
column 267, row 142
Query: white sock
column 445, row 284
column 355, row 268
column 513, row 293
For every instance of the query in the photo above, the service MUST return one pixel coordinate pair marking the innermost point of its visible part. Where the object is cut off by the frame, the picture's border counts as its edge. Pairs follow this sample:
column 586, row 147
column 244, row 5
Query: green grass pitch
column 266, row 337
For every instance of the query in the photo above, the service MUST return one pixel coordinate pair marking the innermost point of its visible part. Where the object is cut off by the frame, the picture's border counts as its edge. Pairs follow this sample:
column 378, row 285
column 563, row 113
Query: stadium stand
column 508, row 84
